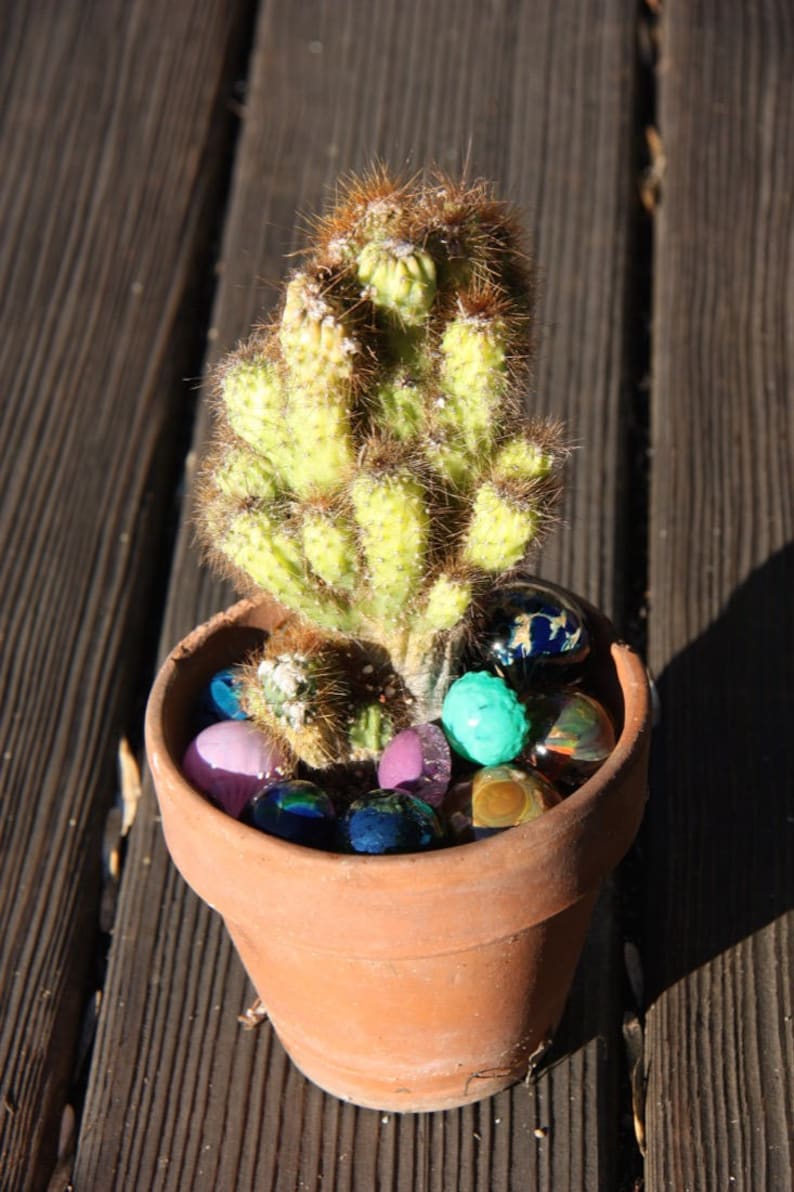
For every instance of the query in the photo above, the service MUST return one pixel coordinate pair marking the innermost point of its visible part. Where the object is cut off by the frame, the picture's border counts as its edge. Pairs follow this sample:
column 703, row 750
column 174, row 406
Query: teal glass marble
column 483, row 719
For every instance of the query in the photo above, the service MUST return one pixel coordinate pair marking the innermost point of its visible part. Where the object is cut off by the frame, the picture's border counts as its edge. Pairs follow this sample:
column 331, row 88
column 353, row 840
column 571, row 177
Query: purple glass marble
column 417, row 760
column 231, row 761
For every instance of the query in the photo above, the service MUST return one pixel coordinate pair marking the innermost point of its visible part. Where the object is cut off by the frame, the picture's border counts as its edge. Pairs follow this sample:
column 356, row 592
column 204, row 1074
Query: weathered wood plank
column 539, row 97
column 114, row 122
column 720, row 838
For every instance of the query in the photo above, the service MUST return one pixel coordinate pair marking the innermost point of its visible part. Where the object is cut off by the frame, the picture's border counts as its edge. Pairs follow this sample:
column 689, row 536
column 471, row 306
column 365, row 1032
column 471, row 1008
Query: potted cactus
column 375, row 488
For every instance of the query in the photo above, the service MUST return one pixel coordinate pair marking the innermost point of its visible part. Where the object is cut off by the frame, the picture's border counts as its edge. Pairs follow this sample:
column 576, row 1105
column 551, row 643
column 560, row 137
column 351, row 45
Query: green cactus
column 371, row 467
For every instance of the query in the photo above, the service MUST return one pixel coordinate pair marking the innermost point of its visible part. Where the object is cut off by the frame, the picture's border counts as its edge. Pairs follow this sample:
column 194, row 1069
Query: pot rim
column 546, row 837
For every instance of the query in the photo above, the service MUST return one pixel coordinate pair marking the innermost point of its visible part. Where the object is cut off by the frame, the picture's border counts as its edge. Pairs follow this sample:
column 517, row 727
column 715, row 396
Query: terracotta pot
column 412, row 982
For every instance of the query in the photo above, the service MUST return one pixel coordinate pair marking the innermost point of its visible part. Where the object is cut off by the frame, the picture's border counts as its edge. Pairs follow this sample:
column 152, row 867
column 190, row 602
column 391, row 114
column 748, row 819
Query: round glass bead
column 417, row 760
column 231, row 760
column 483, row 719
column 389, row 821
column 294, row 810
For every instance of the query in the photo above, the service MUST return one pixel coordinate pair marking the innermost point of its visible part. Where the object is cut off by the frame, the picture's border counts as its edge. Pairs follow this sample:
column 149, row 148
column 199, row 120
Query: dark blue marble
column 389, row 821
column 531, row 628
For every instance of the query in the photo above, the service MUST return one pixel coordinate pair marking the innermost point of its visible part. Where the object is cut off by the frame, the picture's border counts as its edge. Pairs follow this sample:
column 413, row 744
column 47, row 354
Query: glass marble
column 503, row 797
column 387, row 822
column 231, row 760
column 294, row 810
column 483, row 719
column 417, row 760
column 572, row 735
column 220, row 699
column 532, row 629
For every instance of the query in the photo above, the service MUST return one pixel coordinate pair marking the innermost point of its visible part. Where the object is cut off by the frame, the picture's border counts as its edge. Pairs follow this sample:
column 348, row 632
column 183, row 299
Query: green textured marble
column 483, row 719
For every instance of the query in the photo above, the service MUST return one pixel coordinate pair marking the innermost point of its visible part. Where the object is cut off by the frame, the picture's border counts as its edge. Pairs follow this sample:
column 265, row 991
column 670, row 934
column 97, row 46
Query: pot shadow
column 717, row 844
column 714, row 859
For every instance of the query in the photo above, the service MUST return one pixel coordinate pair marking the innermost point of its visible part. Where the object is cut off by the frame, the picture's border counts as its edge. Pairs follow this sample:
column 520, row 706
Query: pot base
column 429, row 1089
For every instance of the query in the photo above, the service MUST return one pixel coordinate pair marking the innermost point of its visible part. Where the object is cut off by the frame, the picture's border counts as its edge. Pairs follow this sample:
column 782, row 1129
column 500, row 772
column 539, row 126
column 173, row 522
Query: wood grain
column 539, row 97
column 110, row 158
column 720, row 834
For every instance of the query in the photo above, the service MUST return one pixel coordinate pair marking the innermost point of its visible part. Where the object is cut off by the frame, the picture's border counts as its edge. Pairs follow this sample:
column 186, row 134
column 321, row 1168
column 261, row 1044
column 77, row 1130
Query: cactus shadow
column 717, row 845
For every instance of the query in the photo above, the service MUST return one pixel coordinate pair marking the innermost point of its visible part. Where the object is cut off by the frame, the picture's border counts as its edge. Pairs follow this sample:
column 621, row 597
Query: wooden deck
column 156, row 158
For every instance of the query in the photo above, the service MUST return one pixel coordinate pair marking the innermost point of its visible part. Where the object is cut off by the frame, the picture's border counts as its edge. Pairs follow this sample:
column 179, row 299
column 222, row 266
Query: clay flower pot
column 412, row 982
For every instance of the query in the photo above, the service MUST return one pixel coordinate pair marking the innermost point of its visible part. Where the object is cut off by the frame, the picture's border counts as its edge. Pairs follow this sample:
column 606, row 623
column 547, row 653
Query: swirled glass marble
column 294, row 810
column 389, row 821
column 572, row 735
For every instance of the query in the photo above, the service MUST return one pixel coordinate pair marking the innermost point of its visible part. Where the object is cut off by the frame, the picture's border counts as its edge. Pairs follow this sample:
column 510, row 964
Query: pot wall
column 403, row 983
column 439, row 1032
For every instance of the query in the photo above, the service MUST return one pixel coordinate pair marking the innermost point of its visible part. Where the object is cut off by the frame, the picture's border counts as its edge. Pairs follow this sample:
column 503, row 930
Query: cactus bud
column 331, row 700
column 399, row 406
column 500, row 531
column 319, row 426
column 256, row 545
column 242, row 475
column 473, row 376
column 370, row 729
column 447, row 602
column 317, row 347
column 522, row 459
column 399, row 278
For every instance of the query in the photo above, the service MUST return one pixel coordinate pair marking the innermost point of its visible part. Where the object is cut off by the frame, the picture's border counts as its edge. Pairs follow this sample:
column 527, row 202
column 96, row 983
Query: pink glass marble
column 417, row 760
column 231, row 761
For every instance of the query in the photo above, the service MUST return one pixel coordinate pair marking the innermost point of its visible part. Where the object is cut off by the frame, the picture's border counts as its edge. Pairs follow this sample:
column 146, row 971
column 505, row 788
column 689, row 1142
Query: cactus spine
column 371, row 466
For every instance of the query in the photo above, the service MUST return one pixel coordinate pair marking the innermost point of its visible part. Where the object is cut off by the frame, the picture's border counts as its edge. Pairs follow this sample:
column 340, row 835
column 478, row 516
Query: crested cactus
column 372, row 467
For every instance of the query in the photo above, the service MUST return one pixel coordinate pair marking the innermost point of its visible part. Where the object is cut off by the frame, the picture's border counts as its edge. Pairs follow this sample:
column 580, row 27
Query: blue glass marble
column 220, row 699
column 533, row 629
column 294, row 810
column 389, row 821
